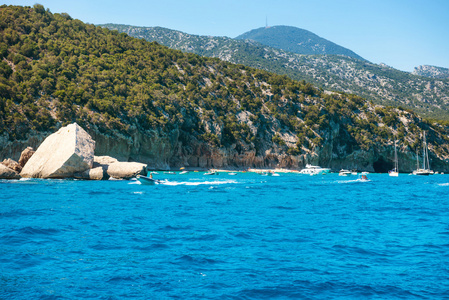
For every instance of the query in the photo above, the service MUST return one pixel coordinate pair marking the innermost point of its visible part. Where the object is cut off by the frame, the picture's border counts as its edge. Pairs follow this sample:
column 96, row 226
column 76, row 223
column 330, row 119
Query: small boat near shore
column 211, row 173
column 425, row 170
column 147, row 180
column 395, row 171
column 344, row 172
column 363, row 177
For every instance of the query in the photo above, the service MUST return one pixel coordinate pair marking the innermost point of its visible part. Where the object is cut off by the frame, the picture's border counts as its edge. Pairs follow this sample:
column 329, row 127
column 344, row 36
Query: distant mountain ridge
column 379, row 83
column 296, row 40
column 432, row 72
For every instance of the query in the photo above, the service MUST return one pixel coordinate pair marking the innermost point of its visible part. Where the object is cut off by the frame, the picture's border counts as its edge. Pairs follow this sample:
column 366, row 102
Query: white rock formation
column 126, row 170
column 63, row 153
column 98, row 173
column 103, row 160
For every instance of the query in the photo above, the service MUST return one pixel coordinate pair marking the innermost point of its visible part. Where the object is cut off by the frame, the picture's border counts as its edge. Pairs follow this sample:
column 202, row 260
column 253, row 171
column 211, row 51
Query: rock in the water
column 12, row 164
column 7, row 173
column 98, row 173
column 126, row 170
column 68, row 151
column 25, row 156
column 103, row 160
column 105, row 167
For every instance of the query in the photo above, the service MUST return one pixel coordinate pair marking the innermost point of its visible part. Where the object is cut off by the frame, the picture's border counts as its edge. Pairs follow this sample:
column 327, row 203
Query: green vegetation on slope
column 56, row 70
column 381, row 84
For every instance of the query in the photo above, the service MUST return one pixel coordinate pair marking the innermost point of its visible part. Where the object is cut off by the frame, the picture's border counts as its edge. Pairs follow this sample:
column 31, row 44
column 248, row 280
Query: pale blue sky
column 400, row 33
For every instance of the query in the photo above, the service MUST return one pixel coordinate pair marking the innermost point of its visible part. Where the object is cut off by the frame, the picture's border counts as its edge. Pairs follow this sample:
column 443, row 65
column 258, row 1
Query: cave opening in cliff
column 382, row 166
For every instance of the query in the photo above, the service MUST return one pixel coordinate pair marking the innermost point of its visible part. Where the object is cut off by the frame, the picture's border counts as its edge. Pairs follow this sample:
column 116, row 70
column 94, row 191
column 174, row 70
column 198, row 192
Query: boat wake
column 193, row 183
column 354, row 181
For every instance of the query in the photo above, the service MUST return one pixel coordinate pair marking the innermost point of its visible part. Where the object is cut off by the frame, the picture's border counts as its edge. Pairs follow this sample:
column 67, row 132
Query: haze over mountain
column 379, row 83
column 295, row 40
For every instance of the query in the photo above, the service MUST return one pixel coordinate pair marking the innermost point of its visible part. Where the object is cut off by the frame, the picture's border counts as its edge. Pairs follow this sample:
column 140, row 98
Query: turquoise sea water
column 226, row 237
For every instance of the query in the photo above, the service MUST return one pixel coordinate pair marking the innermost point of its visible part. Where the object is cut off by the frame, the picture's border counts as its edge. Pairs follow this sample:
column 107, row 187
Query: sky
column 400, row 33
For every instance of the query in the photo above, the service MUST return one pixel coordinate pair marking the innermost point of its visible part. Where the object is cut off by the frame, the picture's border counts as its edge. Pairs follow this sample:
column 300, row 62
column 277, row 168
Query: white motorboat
column 314, row 170
column 344, row 172
column 147, row 180
column 212, row 172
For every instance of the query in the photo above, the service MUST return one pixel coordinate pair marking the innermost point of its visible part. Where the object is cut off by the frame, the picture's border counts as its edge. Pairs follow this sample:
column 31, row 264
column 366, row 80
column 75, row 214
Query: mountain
column 378, row 83
column 432, row 72
column 141, row 101
column 296, row 40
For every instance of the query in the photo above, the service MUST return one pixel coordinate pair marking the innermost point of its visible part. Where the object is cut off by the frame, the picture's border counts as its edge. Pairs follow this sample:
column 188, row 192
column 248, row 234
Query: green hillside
column 55, row 70
column 378, row 83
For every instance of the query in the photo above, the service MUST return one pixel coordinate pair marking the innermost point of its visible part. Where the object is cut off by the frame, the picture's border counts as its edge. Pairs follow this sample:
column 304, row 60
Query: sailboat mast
column 417, row 159
column 424, row 152
column 396, row 164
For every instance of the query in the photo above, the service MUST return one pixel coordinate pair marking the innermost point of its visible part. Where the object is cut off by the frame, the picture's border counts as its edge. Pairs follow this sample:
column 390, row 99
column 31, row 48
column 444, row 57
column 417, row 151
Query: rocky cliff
column 165, row 151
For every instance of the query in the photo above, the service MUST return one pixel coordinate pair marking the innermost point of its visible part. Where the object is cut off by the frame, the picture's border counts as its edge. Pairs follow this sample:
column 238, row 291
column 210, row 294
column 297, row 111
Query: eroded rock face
column 62, row 154
column 25, row 156
column 7, row 173
column 12, row 164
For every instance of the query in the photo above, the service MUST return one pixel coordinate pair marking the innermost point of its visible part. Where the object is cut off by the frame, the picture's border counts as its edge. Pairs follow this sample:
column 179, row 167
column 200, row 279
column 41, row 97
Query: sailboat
column 395, row 171
column 425, row 170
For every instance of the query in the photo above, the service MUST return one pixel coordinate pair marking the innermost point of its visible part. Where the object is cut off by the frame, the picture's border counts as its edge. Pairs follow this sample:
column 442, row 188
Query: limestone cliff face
column 175, row 149
column 13, row 149
column 161, row 151
column 150, row 147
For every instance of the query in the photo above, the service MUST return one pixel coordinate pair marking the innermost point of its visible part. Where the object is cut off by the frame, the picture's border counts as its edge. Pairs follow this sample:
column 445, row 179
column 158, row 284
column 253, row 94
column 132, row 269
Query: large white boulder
column 63, row 153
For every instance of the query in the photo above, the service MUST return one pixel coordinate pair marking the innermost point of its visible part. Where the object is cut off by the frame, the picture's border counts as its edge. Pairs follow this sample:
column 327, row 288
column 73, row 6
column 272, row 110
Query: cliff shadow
column 382, row 166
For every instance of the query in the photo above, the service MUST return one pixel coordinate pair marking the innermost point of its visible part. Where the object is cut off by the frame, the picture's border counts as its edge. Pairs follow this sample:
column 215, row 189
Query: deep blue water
column 226, row 237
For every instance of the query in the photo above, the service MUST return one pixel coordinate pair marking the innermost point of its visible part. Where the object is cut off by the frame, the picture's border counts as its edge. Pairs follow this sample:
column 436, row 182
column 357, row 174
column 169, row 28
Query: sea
column 243, row 236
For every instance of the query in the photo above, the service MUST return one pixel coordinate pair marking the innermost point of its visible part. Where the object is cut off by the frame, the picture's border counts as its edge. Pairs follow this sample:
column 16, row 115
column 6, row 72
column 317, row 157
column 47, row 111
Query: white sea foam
column 353, row 181
column 216, row 182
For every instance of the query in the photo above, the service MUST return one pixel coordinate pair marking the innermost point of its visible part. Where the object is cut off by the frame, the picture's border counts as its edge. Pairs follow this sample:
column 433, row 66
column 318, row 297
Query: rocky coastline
column 68, row 153
column 72, row 152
